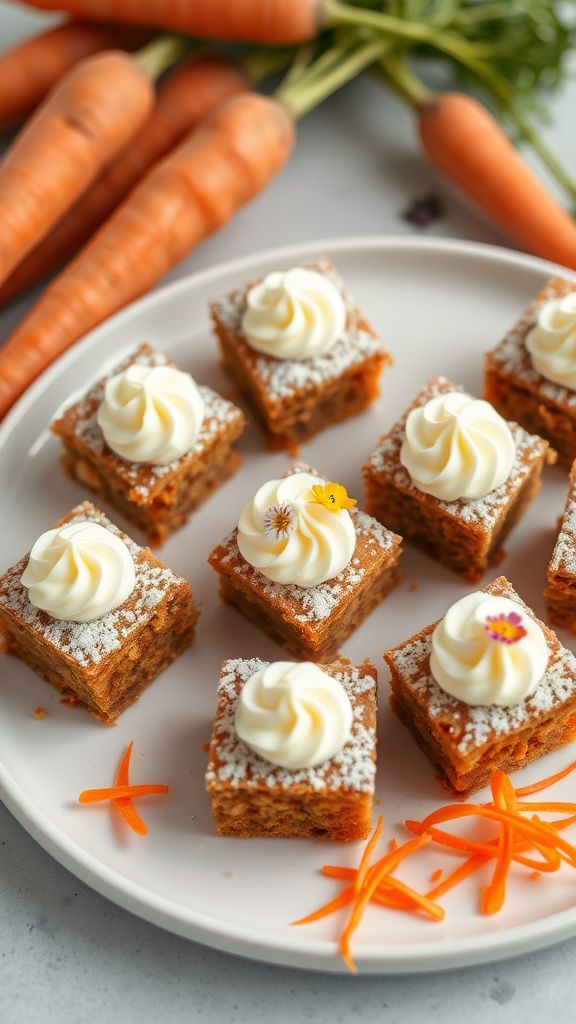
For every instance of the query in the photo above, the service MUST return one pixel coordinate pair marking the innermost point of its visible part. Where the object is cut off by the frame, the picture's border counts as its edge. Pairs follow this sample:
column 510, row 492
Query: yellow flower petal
column 333, row 496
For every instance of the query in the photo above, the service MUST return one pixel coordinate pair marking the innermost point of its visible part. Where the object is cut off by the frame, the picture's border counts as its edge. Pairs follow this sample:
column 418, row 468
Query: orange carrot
column 466, row 869
column 494, row 894
column 551, row 859
column 391, row 891
column 29, row 70
column 94, row 112
column 372, row 882
column 465, row 142
column 537, row 787
column 122, row 793
column 124, row 805
column 259, row 21
column 95, row 796
column 536, row 831
column 367, row 852
column 184, row 97
column 217, row 168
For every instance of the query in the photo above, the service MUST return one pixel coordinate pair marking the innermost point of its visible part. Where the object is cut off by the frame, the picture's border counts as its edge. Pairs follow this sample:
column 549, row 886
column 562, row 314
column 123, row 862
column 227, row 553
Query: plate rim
column 198, row 926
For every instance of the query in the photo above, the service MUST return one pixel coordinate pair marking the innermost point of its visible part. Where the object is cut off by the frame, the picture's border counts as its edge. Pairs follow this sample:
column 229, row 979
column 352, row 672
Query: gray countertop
column 67, row 955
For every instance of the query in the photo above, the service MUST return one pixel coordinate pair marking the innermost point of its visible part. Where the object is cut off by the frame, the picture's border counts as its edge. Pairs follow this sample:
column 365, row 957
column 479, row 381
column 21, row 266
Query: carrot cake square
column 305, row 565
column 151, row 441
column 531, row 374
column 300, row 350
column 314, row 778
column 489, row 687
column 94, row 614
column 560, row 592
column 454, row 477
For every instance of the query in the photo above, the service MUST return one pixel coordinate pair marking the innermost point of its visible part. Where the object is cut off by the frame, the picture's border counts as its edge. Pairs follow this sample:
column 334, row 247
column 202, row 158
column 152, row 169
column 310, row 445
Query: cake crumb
column 413, row 587
column 230, row 874
column 39, row 713
column 206, row 747
column 70, row 700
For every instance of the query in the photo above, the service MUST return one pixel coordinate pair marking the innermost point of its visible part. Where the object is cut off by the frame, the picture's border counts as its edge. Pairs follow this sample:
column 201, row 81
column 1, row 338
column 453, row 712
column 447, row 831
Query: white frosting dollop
column 295, row 314
column 294, row 715
column 79, row 572
column 457, row 447
column 487, row 650
column 552, row 341
column 151, row 414
column 316, row 543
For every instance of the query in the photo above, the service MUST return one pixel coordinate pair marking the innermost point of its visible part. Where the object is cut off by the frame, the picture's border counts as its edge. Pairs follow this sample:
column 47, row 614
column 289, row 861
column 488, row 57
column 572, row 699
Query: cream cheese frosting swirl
column 294, row 715
column 79, row 572
column 552, row 341
column 487, row 651
column 295, row 314
column 151, row 414
column 457, row 447
column 290, row 537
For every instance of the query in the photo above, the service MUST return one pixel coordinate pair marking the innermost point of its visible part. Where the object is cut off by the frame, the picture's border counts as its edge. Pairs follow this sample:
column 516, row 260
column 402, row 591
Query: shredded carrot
column 519, row 837
column 122, row 794
column 371, row 883
column 392, row 892
column 94, row 796
column 365, row 858
column 124, row 806
column 494, row 894
column 537, row 787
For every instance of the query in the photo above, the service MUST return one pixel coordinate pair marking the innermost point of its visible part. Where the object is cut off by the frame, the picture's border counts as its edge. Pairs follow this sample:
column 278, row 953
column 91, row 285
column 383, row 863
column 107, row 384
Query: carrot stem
column 309, row 90
column 160, row 54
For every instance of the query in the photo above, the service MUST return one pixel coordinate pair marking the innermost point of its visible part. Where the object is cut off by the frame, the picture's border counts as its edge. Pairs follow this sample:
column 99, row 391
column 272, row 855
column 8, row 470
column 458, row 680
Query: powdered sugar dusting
column 146, row 480
column 314, row 604
column 283, row 378
column 89, row 643
column 481, row 512
column 513, row 359
column 472, row 727
column 564, row 555
column 353, row 768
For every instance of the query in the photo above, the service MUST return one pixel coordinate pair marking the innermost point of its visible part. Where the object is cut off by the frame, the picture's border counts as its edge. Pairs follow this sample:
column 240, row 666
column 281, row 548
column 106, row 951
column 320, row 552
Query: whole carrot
column 28, row 71
column 184, row 97
column 265, row 21
column 97, row 108
column 191, row 193
column 464, row 141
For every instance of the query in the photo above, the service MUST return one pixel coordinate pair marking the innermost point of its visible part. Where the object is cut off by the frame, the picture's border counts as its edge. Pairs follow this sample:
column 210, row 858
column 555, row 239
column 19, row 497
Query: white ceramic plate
column 439, row 306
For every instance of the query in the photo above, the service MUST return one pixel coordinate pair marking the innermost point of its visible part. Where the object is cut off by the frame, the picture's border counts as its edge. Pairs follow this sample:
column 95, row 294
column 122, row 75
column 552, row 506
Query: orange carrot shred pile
column 374, row 883
column 518, row 835
column 523, row 838
column 122, row 794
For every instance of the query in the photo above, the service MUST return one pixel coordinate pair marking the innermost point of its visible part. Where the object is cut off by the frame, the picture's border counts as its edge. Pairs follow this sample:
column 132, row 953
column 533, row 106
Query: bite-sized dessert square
column 305, row 565
column 293, row 750
column 300, row 350
column 94, row 614
column 151, row 441
column 531, row 374
column 454, row 477
column 489, row 687
column 560, row 591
